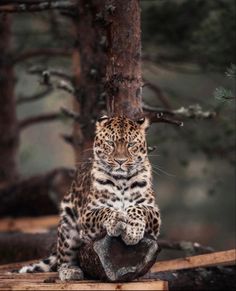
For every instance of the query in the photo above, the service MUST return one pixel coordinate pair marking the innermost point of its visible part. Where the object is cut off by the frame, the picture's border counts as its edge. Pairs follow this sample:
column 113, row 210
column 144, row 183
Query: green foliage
column 224, row 94
column 214, row 40
column 199, row 30
column 231, row 72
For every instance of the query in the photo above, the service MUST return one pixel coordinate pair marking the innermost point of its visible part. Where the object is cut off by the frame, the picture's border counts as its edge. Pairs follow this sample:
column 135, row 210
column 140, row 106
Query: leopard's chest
column 120, row 194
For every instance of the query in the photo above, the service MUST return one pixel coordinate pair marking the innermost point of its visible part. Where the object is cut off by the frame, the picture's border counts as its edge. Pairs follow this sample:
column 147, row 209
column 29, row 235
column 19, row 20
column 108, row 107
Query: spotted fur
column 112, row 193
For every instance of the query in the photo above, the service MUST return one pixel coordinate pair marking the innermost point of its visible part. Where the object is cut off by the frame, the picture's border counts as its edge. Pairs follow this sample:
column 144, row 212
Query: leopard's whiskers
column 162, row 171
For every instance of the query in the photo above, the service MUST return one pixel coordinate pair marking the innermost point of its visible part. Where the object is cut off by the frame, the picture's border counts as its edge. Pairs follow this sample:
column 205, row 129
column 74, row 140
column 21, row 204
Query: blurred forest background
column 188, row 49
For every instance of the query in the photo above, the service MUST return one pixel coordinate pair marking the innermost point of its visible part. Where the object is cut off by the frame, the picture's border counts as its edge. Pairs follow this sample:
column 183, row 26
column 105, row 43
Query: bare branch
column 46, row 74
column 47, row 117
column 160, row 118
column 35, row 6
column 38, row 96
column 52, row 52
column 193, row 111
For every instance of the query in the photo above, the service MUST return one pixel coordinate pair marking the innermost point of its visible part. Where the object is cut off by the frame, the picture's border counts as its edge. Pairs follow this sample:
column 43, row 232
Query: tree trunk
column 107, row 65
column 9, row 137
column 123, row 70
column 89, row 60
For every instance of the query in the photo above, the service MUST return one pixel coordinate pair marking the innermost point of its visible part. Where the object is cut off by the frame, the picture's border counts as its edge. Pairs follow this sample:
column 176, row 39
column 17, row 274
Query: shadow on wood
column 110, row 259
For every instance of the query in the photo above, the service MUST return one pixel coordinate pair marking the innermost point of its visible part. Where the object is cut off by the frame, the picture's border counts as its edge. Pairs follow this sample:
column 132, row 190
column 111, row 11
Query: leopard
column 111, row 194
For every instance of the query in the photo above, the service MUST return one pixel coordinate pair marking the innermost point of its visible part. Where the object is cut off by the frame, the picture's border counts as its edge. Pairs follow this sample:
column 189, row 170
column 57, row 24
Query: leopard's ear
column 143, row 123
column 101, row 121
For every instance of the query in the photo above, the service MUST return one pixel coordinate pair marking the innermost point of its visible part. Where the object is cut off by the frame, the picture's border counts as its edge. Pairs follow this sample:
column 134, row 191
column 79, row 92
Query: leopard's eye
column 131, row 144
column 110, row 142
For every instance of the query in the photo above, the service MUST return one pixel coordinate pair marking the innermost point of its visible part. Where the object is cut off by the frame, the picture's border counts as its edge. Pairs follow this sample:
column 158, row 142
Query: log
column 110, row 259
column 35, row 196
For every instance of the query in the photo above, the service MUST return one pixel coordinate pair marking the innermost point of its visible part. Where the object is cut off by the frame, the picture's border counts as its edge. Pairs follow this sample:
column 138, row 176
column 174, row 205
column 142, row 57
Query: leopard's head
column 120, row 143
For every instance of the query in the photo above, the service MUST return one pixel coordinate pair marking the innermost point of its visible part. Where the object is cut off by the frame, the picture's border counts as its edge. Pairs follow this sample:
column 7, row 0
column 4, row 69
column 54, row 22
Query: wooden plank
column 212, row 259
column 150, row 285
column 28, row 224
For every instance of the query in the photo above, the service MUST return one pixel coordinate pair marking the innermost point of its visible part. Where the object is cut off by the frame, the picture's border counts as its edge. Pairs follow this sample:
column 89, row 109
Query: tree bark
column 9, row 136
column 123, row 71
column 89, row 60
column 110, row 259
column 107, row 65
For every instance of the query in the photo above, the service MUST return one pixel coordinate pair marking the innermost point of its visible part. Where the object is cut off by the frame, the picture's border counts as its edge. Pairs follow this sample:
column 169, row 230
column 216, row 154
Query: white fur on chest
column 122, row 190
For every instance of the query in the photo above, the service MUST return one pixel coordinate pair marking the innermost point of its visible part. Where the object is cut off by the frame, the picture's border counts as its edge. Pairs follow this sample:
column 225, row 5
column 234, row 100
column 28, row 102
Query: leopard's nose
column 120, row 161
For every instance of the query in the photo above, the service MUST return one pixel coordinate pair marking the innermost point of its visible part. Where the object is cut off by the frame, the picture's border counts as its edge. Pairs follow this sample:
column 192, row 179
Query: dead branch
column 160, row 118
column 52, row 52
column 22, row 99
column 47, row 117
column 34, row 6
column 65, row 84
column 194, row 111
column 157, row 114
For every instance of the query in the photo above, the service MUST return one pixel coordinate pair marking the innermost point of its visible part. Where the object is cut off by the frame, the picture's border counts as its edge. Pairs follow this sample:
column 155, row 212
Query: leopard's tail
column 46, row 265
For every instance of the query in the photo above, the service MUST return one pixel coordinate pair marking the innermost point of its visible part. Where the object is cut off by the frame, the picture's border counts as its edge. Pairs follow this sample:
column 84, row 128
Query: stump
column 110, row 259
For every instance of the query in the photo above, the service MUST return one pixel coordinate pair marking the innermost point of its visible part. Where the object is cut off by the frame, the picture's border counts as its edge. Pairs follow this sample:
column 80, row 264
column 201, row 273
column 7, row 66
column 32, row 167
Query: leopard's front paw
column 70, row 273
column 134, row 231
column 116, row 223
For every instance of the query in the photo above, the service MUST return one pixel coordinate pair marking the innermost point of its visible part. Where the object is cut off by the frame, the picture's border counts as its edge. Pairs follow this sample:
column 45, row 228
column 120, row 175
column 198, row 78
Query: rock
column 110, row 259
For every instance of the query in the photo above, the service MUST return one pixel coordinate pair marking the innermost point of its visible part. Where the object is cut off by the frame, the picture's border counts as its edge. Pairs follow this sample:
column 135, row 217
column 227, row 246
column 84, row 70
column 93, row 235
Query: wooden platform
column 50, row 281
